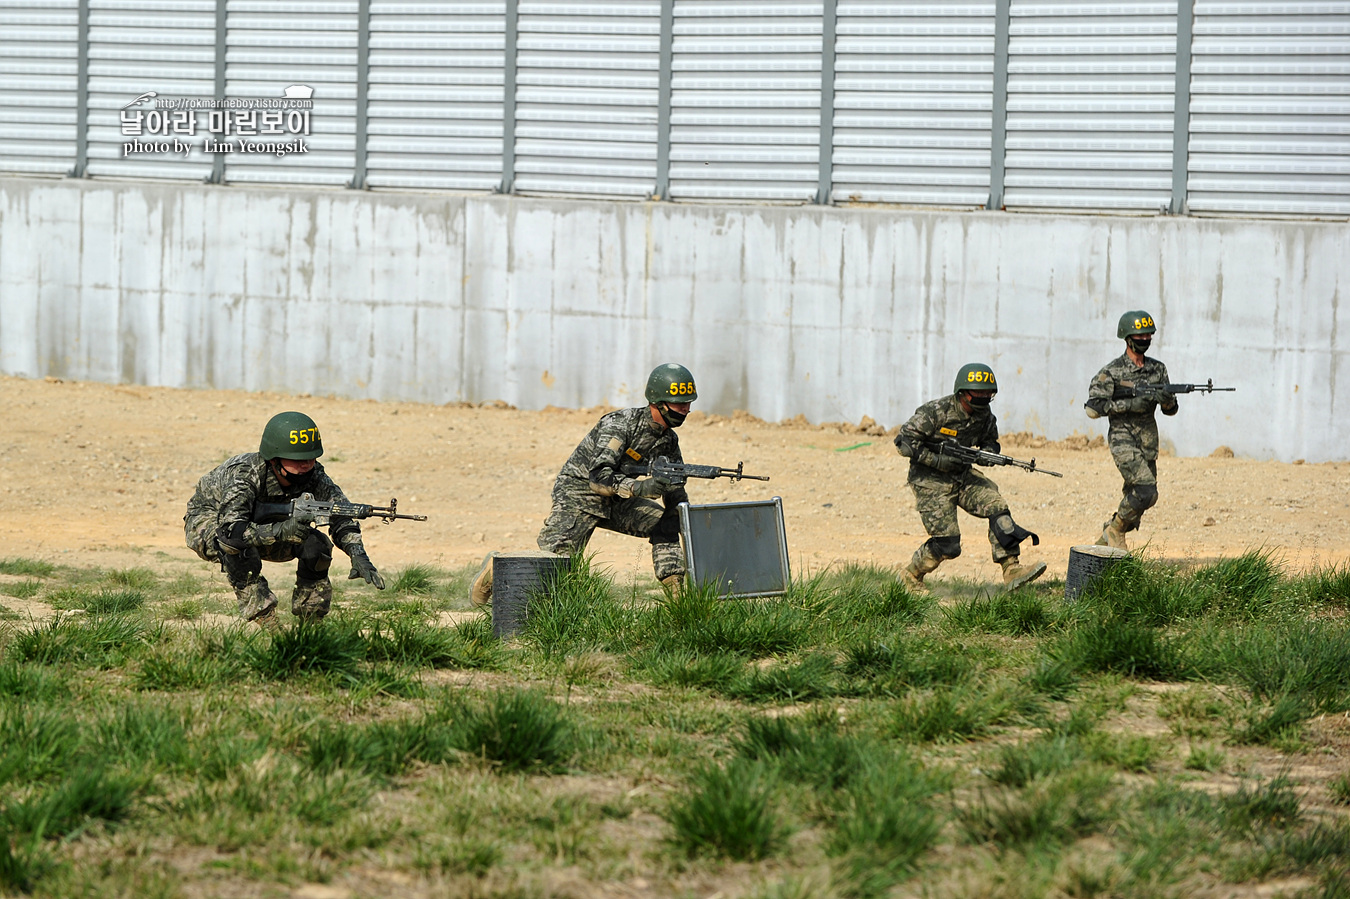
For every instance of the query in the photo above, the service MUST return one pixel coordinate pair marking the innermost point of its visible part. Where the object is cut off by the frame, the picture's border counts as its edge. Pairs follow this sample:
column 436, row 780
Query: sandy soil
column 99, row 475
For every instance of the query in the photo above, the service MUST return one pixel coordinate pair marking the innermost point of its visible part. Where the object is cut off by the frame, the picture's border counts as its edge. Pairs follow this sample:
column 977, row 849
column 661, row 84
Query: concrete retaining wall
column 833, row 313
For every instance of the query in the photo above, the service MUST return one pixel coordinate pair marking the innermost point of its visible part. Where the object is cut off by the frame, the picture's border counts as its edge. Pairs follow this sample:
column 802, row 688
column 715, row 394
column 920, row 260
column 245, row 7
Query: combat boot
column 1015, row 574
column 1113, row 534
column 256, row 599
column 672, row 584
column 480, row 590
column 919, row 567
column 311, row 600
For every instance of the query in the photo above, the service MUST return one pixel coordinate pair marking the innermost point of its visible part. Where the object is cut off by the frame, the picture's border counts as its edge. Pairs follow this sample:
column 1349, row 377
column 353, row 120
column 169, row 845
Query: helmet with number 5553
column 291, row 435
column 975, row 376
column 671, row 383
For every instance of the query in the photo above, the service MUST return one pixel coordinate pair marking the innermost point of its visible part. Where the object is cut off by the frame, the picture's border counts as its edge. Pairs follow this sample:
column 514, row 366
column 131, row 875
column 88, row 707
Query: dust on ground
column 99, row 475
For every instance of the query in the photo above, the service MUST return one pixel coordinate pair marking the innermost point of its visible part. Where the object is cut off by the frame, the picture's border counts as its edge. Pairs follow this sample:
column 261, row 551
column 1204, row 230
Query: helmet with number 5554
column 975, row 376
column 291, row 435
column 1136, row 321
column 671, row 383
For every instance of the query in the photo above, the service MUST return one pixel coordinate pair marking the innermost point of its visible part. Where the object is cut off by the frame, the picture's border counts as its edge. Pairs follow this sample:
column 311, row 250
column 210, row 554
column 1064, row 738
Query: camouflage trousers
column 313, row 595
column 568, row 529
column 1140, row 491
column 938, row 498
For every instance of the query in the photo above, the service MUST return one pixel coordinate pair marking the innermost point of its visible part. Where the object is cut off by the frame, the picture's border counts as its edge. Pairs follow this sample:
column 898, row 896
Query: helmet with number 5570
column 291, row 435
column 975, row 376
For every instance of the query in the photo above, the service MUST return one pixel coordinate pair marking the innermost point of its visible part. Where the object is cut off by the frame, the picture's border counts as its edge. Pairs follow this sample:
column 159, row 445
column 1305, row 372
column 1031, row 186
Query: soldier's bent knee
column 1142, row 497
column 945, row 547
column 317, row 550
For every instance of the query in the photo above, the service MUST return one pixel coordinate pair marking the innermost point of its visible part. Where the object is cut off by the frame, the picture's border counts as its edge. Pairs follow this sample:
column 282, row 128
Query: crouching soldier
column 593, row 491
column 220, row 528
column 941, row 483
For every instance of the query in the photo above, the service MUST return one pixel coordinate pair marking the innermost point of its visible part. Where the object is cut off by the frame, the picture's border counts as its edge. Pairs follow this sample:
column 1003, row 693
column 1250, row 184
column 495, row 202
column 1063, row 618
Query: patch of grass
column 328, row 647
column 134, row 734
column 1307, row 660
column 881, row 828
column 1192, row 712
column 576, row 612
column 24, row 861
column 860, row 594
column 36, row 743
column 1278, row 723
column 104, row 641
column 415, row 580
column 1127, row 752
column 88, row 793
column 1244, row 588
column 1017, row 614
column 1048, row 812
column 22, row 590
column 681, row 668
column 893, row 665
column 1206, row 758
column 1140, row 591
column 809, row 679
column 1019, row 764
column 1339, row 788
column 950, row 715
column 1122, row 646
column 727, row 812
column 138, row 579
column 27, row 567
column 517, row 731
column 698, row 620
column 406, row 640
column 1328, row 584
column 384, row 748
column 1272, row 804
column 30, row 683
column 184, row 610
column 810, row 750
column 115, row 602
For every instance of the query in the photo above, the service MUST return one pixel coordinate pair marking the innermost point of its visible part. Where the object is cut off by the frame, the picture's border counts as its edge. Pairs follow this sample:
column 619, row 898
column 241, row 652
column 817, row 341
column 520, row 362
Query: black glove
column 654, row 487
column 290, row 530
column 363, row 567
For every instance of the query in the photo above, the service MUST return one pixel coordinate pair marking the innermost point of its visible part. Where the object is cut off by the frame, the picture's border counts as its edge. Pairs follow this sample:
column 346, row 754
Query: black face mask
column 981, row 402
column 1140, row 344
column 673, row 419
column 293, row 481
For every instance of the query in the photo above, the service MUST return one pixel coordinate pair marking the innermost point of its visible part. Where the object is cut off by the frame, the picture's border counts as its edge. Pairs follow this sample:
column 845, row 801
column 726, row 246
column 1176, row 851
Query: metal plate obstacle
column 515, row 578
column 1086, row 563
column 740, row 547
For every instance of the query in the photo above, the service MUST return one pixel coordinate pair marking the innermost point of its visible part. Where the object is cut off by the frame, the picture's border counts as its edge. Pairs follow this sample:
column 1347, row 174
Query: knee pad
column 1142, row 497
column 945, row 547
column 1009, row 533
column 316, row 552
column 667, row 530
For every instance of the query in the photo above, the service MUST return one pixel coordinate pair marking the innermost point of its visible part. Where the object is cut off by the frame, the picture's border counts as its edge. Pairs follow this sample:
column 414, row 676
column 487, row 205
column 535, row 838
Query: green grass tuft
column 328, row 647
column 415, row 580
column 22, row 589
column 728, row 812
column 27, row 567
column 518, row 730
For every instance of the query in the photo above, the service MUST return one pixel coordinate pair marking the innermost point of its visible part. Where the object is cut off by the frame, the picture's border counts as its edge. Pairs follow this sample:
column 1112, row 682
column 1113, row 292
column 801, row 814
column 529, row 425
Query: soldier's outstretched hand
column 363, row 567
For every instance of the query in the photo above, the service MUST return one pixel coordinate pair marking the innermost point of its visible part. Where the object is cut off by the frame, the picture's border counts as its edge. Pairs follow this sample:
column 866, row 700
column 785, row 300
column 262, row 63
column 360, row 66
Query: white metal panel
column 435, row 95
column 913, row 97
column 745, row 100
column 135, row 46
column 586, row 97
column 38, row 67
column 277, row 43
column 1090, row 101
column 1270, row 108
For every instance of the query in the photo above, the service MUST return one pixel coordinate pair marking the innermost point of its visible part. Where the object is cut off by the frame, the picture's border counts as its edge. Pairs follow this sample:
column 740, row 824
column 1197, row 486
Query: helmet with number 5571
column 291, row 435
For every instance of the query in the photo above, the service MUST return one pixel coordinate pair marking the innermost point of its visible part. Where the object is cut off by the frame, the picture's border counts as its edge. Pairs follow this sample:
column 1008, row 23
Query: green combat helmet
column 975, row 376
column 671, row 383
column 291, row 435
column 1136, row 321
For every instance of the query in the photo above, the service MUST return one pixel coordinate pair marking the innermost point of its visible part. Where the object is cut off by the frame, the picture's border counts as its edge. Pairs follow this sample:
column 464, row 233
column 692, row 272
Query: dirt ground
column 99, row 475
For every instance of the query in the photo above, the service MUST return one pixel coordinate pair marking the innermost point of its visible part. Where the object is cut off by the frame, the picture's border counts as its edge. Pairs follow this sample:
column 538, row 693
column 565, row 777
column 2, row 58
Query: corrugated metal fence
column 1138, row 106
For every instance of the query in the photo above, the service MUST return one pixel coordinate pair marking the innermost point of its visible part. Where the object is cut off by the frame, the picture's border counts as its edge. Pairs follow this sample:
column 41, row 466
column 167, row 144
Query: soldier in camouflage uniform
column 1133, row 433
column 219, row 523
column 941, row 483
column 592, row 491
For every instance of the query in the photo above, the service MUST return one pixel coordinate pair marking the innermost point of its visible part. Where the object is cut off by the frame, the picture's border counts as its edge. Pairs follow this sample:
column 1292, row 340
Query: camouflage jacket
column 1132, row 419
column 592, row 475
column 944, row 419
column 230, row 491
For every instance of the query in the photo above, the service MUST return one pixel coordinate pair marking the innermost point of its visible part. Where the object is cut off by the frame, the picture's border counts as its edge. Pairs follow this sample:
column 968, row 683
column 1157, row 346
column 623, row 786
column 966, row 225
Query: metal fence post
column 217, row 175
column 1181, row 110
column 358, row 181
column 828, row 23
column 509, row 99
column 81, row 92
column 665, row 63
column 998, row 132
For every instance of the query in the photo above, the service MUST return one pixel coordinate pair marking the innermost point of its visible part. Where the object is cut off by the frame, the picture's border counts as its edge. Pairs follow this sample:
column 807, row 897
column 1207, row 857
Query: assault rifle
column 321, row 512
column 678, row 472
column 1126, row 390
column 972, row 456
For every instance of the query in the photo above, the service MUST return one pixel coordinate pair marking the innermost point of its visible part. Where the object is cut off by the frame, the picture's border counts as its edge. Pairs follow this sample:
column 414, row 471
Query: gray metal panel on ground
column 912, row 102
column 38, row 63
column 586, row 97
column 135, row 46
column 274, row 44
column 745, row 100
column 739, row 547
column 1270, row 108
column 436, row 94
column 1090, row 91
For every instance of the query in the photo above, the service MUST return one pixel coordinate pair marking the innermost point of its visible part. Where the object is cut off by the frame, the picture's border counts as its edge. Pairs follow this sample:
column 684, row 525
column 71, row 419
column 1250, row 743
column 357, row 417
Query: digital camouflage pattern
column 591, row 491
column 224, row 500
column 1133, row 432
column 942, row 484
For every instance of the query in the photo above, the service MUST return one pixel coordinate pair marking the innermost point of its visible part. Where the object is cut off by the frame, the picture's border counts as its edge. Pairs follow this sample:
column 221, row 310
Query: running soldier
column 592, row 491
column 1133, row 432
column 219, row 523
column 941, row 484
